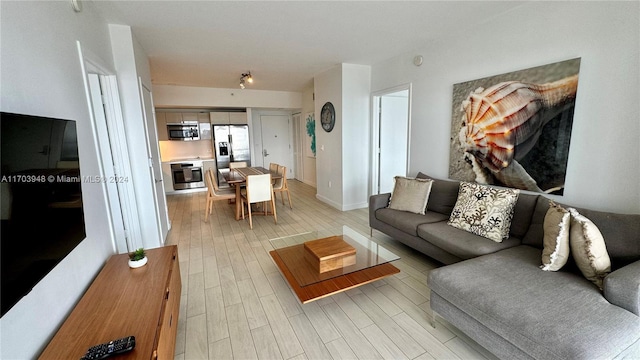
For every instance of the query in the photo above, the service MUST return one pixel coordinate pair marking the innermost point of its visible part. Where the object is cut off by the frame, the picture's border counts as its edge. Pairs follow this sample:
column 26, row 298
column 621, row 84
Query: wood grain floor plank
column 196, row 345
column 252, row 306
column 216, row 315
column 282, row 330
column 385, row 346
column 422, row 336
column 353, row 311
column 195, row 298
column 350, row 332
column 229, row 286
column 211, row 274
column 320, row 322
column 221, row 349
column 390, row 328
column 265, row 343
column 311, row 342
column 239, row 333
column 340, row 350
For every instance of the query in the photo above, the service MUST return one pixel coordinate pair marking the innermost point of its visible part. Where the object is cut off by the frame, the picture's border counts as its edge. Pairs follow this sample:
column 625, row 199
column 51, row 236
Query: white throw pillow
column 410, row 194
column 556, row 226
column 484, row 211
column 588, row 248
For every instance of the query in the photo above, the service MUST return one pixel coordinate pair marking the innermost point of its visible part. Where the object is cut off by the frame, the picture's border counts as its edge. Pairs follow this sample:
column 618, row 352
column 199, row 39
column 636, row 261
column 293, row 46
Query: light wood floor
column 236, row 305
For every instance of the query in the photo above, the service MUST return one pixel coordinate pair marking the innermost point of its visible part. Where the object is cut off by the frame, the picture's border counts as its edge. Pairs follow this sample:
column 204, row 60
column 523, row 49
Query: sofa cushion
column 621, row 232
column 444, row 194
column 539, row 311
column 556, row 238
column 406, row 221
column 460, row 243
column 410, row 194
column 588, row 249
column 484, row 210
column 522, row 214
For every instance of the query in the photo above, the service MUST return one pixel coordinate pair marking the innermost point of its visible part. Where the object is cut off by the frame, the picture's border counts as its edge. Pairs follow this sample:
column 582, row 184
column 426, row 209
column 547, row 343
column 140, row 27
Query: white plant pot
column 138, row 263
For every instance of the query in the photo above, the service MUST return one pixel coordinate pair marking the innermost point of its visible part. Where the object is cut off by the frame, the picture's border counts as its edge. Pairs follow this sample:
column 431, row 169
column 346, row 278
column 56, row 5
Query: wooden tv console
column 142, row 302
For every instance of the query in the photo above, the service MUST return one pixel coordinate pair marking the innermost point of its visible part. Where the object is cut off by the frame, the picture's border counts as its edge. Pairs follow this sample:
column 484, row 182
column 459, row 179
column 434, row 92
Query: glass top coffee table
column 320, row 263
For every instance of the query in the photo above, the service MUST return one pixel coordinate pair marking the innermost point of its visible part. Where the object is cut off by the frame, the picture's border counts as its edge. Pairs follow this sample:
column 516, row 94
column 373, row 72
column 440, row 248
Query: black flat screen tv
column 41, row 200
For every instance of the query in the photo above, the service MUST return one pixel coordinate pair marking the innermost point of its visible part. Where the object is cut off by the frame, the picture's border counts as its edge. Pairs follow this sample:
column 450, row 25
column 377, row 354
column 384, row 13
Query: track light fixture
column 246, row 77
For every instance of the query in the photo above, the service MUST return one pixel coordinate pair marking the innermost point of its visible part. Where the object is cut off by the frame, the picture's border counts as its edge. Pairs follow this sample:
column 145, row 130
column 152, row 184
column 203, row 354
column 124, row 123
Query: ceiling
column 284, row 44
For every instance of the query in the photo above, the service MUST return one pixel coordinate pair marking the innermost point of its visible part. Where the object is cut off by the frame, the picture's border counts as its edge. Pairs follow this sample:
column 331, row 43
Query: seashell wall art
column 514, row 129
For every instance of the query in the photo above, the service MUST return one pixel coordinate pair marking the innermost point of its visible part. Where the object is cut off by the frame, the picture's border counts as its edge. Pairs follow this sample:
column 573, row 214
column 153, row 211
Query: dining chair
column 259, row 190
column 214, row 193
column 273, row 167
column 238, row 164
column 281, row 185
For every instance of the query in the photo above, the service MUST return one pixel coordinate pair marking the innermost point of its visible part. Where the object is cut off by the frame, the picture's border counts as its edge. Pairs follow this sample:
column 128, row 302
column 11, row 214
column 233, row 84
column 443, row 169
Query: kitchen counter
column 190, row 159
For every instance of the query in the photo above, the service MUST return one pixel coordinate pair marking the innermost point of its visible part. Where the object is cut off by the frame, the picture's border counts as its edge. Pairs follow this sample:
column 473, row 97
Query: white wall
column 342, row 155
column 356, row 90
column 604, row 158
column 188, row 96
column 40, row 75
column 328, row 88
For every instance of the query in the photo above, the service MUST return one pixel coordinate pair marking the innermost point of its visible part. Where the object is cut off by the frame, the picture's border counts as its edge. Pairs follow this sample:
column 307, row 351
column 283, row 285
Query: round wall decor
column 328, row 117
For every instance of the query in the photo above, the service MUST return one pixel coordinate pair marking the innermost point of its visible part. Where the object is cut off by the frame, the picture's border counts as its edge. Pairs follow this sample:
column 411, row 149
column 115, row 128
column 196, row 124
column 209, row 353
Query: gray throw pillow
column 410, row 194
column 484, row 210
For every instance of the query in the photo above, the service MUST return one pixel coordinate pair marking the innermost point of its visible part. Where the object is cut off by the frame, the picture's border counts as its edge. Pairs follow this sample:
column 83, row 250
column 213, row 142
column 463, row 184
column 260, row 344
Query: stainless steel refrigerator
column 232, row 144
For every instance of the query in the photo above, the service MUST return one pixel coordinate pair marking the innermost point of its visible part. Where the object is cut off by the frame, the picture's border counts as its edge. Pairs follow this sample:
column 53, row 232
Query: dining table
column 238, row 177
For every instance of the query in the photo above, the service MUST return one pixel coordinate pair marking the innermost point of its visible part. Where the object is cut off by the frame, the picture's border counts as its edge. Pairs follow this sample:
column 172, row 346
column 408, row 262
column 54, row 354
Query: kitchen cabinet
column 161, row 124
column 219, row 118
column 189, row 116
column 237, row 118
column 143, row 302
column 205, row 126
column 227, row 118
column 173, row 117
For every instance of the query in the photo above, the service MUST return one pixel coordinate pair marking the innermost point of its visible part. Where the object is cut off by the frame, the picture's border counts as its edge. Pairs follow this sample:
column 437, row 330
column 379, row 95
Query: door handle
column 158, row 181
column 265, row 153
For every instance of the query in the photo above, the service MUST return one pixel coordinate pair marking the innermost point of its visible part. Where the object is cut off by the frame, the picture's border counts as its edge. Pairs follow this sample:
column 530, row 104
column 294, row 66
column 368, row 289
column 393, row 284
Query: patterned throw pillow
column 410, row 194
column 588, row 248
column 484, row 210
column 556, row 226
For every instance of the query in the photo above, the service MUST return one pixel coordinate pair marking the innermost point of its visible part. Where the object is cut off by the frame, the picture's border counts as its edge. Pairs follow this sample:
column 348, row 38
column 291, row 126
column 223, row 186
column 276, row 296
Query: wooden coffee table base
column 334, row 285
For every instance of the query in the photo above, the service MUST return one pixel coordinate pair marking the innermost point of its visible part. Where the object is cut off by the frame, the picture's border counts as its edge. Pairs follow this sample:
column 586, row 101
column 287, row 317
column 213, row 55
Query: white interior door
column 118, row 227
column 153, row 152
column 276, row 141
column 114, row 161
column 392, row 142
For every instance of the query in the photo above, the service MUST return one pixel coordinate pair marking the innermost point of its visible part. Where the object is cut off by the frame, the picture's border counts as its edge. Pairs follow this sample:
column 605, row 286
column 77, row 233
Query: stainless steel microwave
column 186, row 131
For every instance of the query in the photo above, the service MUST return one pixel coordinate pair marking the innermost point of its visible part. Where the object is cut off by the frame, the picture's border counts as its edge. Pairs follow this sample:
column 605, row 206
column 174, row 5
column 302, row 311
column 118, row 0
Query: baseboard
column 329, row 201
column 341, row 207
column 355, row 206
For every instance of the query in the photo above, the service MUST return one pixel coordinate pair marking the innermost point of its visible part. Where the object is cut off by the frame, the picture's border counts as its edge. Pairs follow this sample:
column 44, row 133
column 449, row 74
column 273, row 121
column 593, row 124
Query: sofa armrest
column 377, row 202
column 622, row 287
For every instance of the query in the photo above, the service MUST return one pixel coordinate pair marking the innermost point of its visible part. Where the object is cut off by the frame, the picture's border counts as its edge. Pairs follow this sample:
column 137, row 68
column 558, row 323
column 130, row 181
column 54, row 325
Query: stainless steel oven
column 187, row 175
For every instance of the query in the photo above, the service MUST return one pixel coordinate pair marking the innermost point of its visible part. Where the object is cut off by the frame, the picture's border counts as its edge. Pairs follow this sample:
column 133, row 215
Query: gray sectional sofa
column 497, row 294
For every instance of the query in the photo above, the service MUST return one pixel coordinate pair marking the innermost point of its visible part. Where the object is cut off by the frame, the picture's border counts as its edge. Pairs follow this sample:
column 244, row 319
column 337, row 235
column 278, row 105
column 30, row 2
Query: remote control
column 111, row 348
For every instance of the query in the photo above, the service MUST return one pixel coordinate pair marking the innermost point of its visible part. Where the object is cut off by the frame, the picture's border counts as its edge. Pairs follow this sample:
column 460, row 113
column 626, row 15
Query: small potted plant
column 137, row 258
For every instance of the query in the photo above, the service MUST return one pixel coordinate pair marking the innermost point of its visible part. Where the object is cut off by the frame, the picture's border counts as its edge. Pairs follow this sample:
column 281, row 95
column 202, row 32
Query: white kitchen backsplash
column 170, row 150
